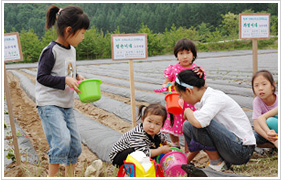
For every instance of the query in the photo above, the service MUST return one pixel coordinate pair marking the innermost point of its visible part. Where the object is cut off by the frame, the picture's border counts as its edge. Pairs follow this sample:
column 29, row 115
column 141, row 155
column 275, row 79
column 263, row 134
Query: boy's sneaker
column 219, row 167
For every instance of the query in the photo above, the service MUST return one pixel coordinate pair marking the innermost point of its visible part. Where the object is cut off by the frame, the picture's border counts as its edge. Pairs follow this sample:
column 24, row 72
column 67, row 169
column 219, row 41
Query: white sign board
column 254, row 26
column 129, row 46
column 12, row 47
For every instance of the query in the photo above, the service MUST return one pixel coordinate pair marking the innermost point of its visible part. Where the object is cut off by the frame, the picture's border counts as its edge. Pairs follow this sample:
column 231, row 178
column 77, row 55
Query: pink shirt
column 259, row 107
column 172, row 71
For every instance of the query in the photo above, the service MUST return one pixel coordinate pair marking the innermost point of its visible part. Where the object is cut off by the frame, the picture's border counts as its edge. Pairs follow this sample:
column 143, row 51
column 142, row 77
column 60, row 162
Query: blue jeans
column 216, row 137
column 62, row 134
column 272, row 123
column 260, row 140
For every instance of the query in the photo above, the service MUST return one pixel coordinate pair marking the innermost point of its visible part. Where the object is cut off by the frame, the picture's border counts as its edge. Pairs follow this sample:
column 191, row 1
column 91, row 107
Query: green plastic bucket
column 90, row 90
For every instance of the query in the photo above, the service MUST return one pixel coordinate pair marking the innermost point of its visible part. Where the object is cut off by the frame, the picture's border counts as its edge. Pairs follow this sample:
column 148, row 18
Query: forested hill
column 130, row 16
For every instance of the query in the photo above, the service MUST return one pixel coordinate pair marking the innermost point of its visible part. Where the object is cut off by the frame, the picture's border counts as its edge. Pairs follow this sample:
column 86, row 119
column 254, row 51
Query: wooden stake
column 132, row 90
column 255, row 55
column 11, row 117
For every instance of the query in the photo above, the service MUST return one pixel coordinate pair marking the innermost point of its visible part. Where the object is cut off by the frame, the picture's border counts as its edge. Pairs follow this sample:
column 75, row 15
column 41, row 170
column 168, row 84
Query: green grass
column 271, row 43
column 263, row 166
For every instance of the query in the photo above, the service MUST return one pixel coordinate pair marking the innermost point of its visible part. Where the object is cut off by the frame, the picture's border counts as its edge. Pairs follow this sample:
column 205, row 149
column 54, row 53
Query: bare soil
column 26, row 115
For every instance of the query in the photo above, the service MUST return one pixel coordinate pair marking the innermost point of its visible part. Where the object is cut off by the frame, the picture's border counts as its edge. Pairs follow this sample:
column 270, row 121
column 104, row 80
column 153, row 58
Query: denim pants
column 216, row 137
column 62, row 134
column 260, row 140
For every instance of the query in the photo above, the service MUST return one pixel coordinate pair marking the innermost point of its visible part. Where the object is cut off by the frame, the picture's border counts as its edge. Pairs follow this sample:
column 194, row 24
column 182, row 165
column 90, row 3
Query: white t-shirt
column 216, row 105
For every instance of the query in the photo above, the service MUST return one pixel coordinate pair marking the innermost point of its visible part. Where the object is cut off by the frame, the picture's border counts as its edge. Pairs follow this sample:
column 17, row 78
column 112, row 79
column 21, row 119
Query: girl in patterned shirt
column 185, row 51
column 146, row 136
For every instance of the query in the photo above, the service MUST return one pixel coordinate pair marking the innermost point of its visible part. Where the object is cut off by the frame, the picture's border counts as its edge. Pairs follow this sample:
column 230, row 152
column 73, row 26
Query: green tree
column 30, row 45
column 203, row 31
column 50, row 35
column 274, row 25
column 214, row 36
column 248, row 11
column 87, row 49
column 272, row 8
column 107, row 49
column 154, row 45
column 230, row 25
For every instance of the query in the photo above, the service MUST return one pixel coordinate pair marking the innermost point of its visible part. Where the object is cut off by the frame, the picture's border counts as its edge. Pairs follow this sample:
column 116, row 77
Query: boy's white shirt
column 216, row 105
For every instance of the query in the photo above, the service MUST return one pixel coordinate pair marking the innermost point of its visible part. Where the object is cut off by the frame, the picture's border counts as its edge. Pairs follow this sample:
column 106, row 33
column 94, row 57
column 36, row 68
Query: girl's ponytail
column 51, row 16
column 154, row 109
column 171, row 119
column 71, row 16
column 140, row 114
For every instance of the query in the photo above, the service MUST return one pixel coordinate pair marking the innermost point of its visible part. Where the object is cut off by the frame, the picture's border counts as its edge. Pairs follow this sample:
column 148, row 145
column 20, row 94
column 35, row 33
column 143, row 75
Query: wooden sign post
column 130, row 47
column 12, row 52
column 254, row 26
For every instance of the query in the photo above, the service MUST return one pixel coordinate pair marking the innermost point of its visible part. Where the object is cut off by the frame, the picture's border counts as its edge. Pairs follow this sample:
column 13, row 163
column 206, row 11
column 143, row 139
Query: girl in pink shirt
column 265, row 109
column 185, row 51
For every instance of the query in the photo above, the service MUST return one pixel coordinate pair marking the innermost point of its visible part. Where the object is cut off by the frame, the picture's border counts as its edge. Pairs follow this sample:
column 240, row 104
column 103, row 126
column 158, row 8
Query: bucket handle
column 169, row 89
column 121, row 171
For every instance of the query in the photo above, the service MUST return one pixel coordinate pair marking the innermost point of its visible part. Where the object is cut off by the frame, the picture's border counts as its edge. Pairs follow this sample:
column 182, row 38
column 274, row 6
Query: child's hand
column 165, row 84
column 80, row 77
column 272, row 136
column 72, row 83
column 166, row 143
column 165, row 149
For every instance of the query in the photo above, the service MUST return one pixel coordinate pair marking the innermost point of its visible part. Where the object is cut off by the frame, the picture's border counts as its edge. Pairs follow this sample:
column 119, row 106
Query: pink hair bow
column 60, row 11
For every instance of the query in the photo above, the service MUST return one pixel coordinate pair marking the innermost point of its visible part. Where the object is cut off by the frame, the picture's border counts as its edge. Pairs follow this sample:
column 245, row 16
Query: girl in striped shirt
column 146, row 136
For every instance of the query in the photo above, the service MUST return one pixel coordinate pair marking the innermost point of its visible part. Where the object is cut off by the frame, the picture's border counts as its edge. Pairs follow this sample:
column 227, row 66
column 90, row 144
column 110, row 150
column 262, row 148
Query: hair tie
column 59, row 12
column 183, row 84
column 199, row 71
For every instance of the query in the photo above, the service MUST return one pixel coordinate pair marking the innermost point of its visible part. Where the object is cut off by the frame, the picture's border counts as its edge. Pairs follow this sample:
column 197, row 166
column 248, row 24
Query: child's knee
column 272, row 123
column 187, row 126
column 64, row 145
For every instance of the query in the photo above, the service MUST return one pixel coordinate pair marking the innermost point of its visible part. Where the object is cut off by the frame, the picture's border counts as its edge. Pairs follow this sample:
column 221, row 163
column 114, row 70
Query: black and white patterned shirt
column 137, row 139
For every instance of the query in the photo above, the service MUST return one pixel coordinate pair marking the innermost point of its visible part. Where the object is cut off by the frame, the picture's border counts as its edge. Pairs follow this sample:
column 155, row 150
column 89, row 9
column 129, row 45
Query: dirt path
column 25, row 113
column 27, row 117
column 97, row 114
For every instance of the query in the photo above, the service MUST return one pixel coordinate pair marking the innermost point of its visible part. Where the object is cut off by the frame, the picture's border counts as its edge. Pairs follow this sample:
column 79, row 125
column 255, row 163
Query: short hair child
column 146, row 136
column 186, row 53
column 185, row 44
